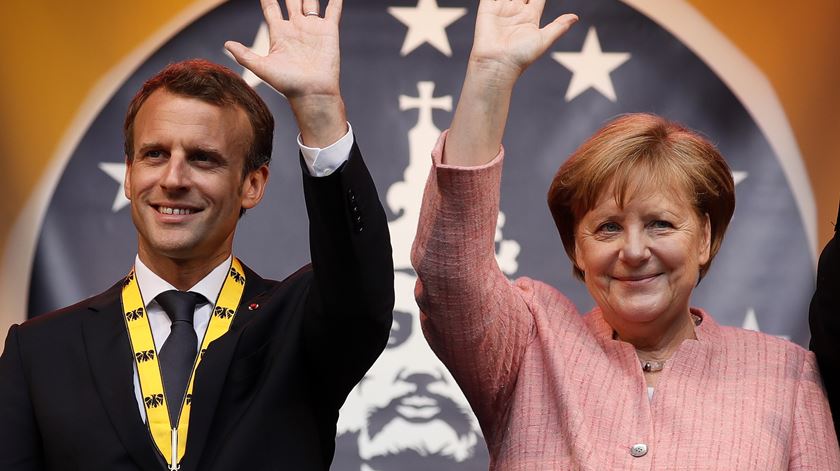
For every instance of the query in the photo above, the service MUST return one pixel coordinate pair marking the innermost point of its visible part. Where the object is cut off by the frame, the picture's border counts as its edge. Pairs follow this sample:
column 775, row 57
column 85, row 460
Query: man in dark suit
column 193, row 361
column 825, row 322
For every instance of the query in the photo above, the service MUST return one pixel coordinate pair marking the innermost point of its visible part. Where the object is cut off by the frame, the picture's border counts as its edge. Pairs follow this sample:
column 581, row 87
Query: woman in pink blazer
column 643, row 381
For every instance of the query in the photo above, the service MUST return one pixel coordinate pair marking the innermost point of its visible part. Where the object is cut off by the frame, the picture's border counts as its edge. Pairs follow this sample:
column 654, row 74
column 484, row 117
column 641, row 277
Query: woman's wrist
column 493, row 74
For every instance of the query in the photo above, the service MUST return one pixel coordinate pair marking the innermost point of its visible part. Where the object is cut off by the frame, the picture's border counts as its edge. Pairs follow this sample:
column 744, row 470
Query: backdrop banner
column 402, row 68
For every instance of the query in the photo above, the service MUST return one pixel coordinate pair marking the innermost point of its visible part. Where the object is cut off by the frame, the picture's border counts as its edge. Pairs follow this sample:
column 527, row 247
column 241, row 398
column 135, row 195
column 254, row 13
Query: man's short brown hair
column 665, row 154
column 214, row 84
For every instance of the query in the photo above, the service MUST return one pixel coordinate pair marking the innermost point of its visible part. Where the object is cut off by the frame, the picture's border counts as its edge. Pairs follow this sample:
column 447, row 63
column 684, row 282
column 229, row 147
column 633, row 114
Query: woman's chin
column 639, row 312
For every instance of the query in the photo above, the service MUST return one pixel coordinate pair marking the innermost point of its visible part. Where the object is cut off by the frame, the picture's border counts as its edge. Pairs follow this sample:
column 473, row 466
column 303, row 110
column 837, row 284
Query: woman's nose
column 635, row 249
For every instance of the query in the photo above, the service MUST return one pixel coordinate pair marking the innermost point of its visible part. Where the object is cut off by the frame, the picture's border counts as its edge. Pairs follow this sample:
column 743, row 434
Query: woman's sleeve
column 814, row 443
column 473, row 317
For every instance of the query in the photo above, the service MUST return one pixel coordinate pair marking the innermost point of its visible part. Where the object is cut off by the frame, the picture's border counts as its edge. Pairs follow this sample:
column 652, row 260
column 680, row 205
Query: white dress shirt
column 320, row 162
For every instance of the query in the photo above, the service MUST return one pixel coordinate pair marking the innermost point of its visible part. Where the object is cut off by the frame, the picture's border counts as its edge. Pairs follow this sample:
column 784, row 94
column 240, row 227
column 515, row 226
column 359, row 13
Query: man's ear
column 127, row 179
column 253, row 187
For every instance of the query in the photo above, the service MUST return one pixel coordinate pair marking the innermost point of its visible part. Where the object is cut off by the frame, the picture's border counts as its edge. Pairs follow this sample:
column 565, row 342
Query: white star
column 751, row 323
column 260, row 46
column 591, row 67
column 739, row 176
column 117, row 172
column 426, row 24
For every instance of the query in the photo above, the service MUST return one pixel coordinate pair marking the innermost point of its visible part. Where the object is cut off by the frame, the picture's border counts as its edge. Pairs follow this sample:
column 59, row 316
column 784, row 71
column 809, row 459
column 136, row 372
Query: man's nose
column 175, row 174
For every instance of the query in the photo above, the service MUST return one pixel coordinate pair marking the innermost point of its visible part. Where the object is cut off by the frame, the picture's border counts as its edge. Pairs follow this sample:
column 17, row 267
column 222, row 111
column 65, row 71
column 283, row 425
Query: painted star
column 117, row 172
column 426, row 23
column 751, row 323
column 591, row 67
column 260, row 46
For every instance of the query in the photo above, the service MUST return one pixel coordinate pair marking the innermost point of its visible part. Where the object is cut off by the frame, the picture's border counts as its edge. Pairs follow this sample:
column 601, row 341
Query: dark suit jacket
column 825, row 322
column 266, row 394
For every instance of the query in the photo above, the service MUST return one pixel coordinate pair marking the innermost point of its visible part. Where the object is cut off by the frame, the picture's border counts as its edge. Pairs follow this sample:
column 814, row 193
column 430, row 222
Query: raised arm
column 476, row 320
column 303, row 63
column 508, row 39
column 349, row 305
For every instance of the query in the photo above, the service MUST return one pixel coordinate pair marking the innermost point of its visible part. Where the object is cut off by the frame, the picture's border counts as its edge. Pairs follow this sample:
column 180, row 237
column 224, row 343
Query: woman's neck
column 658, row 342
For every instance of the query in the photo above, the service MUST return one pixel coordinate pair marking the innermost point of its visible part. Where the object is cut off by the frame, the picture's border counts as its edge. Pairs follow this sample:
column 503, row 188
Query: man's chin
column 177, row 249
column 174, row 250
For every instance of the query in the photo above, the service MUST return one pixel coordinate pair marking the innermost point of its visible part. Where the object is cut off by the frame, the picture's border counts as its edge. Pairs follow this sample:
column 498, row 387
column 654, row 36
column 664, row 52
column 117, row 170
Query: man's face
column 408, row 407
column 185, row 180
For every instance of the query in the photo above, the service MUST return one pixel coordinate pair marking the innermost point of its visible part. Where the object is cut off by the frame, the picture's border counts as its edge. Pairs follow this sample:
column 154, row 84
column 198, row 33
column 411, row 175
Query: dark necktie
column 178, row 352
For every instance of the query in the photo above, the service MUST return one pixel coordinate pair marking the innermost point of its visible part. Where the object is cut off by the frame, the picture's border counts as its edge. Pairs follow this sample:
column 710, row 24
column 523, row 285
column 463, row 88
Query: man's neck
column 183, row 274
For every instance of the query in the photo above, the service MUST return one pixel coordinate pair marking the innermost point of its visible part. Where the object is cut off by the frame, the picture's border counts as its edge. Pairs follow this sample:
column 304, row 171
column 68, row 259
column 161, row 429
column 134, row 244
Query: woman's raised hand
column 508, row 37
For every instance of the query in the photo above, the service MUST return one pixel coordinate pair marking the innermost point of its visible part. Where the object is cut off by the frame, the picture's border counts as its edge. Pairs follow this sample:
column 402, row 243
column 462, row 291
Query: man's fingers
column 555, row 29
column 244, row 56
column 333, row 10
column 311, row 8
column 271, row 11
column 294, row 8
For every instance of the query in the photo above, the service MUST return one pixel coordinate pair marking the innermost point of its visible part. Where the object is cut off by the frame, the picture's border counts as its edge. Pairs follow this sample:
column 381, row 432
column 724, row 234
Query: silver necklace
column 652, row 366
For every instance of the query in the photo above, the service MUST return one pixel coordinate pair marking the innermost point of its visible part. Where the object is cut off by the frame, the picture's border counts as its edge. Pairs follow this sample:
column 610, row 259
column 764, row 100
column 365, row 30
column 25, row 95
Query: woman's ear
column 705, row 240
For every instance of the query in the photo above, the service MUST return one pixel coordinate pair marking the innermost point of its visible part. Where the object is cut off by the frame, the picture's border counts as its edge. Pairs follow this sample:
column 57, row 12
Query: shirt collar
column 152, row 285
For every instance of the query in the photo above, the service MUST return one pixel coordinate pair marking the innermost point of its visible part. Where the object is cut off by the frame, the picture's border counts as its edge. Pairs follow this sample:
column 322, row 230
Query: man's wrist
column 321, row 119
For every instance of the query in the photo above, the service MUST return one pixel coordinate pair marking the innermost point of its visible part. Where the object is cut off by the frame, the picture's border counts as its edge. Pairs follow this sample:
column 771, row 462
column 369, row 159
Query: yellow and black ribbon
column 166, row 438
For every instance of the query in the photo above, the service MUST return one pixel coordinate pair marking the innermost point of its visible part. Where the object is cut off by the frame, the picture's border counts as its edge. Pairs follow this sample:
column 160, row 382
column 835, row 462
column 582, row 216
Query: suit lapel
column 109, row 355
column 212, row 372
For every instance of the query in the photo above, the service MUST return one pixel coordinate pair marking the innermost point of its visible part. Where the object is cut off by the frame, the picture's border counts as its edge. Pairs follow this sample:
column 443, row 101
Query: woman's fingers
column 552, row 31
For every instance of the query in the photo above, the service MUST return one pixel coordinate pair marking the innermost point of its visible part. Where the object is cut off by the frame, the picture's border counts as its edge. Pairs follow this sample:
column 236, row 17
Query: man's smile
column 176, row 210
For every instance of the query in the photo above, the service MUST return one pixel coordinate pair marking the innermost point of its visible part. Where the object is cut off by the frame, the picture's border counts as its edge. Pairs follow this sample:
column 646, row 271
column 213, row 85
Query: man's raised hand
column 303, row 63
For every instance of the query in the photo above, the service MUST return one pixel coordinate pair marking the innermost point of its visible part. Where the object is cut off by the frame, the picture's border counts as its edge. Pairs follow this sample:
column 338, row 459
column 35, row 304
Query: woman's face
column 641, row 262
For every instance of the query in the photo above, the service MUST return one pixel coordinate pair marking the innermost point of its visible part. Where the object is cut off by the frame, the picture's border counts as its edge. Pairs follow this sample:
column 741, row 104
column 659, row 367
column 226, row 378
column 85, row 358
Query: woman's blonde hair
column 643, row 148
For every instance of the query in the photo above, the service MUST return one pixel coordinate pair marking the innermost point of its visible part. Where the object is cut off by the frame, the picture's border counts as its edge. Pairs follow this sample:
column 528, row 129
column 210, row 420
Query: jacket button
column 638, row 450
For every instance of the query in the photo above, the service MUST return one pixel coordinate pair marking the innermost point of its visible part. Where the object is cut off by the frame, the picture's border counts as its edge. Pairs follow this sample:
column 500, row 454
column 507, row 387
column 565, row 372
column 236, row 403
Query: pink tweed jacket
column 553, row 391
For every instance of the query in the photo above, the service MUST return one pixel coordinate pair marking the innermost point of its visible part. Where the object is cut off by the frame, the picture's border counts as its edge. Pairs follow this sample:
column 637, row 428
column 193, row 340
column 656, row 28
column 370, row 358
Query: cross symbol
column 425, row 102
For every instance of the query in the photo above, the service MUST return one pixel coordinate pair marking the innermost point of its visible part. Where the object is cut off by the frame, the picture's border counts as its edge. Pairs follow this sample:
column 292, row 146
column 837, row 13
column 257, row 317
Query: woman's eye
column 609, row 227
column 661, row 224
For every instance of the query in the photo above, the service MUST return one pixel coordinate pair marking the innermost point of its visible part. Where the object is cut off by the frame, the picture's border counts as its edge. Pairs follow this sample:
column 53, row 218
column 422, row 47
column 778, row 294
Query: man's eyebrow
column 205, row 150
column 209, row 150
column 148, row 145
